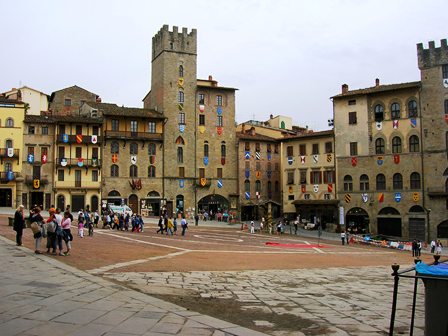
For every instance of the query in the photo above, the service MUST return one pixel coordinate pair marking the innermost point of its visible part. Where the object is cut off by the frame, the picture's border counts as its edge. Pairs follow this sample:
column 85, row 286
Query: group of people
column 56, row 229
column 169, row 225
column 436, row 247
column 122, row 222
column 221, row 216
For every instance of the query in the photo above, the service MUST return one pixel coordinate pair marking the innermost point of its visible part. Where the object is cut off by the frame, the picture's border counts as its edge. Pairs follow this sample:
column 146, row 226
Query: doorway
column 133, row 203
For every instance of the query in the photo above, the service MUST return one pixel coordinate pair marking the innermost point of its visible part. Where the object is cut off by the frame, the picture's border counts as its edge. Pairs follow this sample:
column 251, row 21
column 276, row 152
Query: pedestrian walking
column 37, row 227
column 51, row 231
column 160, row 225
column 347, row 237
column 81, row 229
column 439, row 247
column 296, row 225
column 261, row 225
column 252, row 227
column 96, row 219
column 433, row 246
column 343, row 237
column 170, row 227
column 419, row 247
column 59, row 233
column 196, row 219
column 414, row 248
column 205, row 216
column 19, row 224
column 140, row 220
column 270, row 228
column 68, row 237
column 175, row 225
column 184, row 225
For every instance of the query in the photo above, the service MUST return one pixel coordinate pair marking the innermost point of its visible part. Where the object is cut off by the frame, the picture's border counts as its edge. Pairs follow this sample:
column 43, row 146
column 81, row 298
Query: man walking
column 184, row 225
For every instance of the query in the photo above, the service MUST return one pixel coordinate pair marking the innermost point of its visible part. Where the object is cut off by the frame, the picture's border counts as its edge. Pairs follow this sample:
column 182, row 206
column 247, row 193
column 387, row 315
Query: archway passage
column 215, row 203
column 133, row 203
column 357, row 220
column 442, row 229
column 389, row 222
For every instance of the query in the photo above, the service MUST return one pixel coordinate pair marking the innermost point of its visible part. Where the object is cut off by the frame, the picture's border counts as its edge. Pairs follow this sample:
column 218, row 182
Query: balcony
column 77, row 184
column 29, row 179
column 132, row 135
column 86, row 139
column 4, row 176
column 74, row 163
column 4, row 154
column 208, row 182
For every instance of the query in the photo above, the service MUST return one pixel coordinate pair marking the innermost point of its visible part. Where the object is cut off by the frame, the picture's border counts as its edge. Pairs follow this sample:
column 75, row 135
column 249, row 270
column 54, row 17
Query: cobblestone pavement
column 347, row 301
column 43, row 296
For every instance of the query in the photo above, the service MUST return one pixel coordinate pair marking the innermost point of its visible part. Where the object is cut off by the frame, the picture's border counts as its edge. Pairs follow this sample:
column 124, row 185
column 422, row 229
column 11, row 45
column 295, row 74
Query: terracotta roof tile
column 109, row 109
column 380, row 88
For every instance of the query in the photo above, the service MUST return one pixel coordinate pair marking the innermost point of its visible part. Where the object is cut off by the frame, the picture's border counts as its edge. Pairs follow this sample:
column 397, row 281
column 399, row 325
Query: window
column 364, row 182
column 95, row 153
column 276, row 165
column 8, row 167
column 315, row 148
column 60, row 175
column 380, row 146
column 151, row 149
column 307, row 196
column 181, row 71
column 133, row 148
column 328, row 147
column 78, row 152
column 269, row 166
column 114, row 171
column 329, row 176
column 30, row 129
column 445, row 71
column 219, row 173
column 446, row 109
column 275, row 148
column 396, row 145
column 67, row 102
column 289, row 151
column 257, row 147
column 353, row 148
column 352, row 102
column 78, row 129
column 395, row 111
column 201, row 119
column 379, row 112
column 352, row 118
column 9, row 122
column 268, row 148
column 258, row 166
column 114, row 125
column 114, row 148
column 269, row 186
column 380, row 182
column 290, row 197
column 414, row 143
column 223, row 149
column 302, row 149
column 151, row 127
column 201, row 99
column 316, row 177
column 180, row 155
column 206, row 150
column 247, row 165
column 219, row 121
column 302, row 176
column 257, row 185
column 415, row 181
column 397, row 181
column 276, row 186
column 94, row 175
column 290, row 178
column 181, row 118
column 133, row 171
column 327, row 196
column 152, row 171
column 82, row 102
column 180, row 97
column 412, row 108
column 219, row 100
column 247, row 146
column 134, row 126
column 30, row 150
column 44, row 130
column 8, row 144
column 246, row 185
column 348, row 183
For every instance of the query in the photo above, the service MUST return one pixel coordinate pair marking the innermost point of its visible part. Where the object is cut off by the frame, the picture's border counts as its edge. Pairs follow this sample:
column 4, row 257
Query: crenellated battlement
column 176, row 41
column 432, row 57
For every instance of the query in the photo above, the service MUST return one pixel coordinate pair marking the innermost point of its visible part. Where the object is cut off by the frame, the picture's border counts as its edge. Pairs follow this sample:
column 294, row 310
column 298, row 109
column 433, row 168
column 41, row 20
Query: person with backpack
column 51, row 231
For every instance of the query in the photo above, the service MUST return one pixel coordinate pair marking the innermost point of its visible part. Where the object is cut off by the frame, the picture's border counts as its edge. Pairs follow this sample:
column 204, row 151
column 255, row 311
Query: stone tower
column 192, row 107
column 433, row 65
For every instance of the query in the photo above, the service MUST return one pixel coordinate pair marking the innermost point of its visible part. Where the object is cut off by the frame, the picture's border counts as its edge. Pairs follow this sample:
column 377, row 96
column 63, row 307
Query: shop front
column 151, row 205
column 319, row 212
column 215, row 203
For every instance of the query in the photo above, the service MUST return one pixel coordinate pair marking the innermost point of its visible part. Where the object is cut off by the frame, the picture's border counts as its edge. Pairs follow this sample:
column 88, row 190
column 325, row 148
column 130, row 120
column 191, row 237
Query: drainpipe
column 423, row 166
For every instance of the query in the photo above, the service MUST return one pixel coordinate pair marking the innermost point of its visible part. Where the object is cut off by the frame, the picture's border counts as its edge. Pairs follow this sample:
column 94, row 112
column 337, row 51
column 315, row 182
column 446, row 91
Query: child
column 90, row 229
column 81, row 227
column 252, row 227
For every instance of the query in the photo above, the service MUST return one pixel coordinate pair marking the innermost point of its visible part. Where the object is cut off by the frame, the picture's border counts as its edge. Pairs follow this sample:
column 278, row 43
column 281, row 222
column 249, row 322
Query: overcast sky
column 285, row 57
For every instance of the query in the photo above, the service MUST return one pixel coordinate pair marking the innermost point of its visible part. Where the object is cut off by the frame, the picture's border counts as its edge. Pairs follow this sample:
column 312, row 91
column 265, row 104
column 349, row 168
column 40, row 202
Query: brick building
column 68, row 101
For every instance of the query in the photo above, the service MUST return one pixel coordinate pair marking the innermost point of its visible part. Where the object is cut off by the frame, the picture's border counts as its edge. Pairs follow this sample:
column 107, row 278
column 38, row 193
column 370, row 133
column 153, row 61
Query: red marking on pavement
column 296, row 245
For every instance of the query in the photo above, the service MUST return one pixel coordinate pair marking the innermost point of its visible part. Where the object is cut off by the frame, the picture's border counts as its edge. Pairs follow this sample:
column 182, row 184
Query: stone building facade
column 199, row 143
column 68, row 101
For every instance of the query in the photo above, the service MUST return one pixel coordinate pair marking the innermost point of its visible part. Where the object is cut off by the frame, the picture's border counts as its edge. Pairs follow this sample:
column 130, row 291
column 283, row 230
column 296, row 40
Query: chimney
column 210, row 78
column 377, row 82
column 252, row 130
column 98, row 100
column 344, row 88
column 271, row 117
column 243, row 127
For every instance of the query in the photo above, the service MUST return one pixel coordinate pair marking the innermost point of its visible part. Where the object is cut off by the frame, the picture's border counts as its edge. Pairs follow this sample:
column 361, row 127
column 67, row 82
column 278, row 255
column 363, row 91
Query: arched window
column 415, row 181
column 8, row 144
column 223, row 149
column 151, row 171
column 395, row 111
column 364, row 182
column 180, row 97
column 180, row 155
column 379, row 112
column 257, row 185
column 180, row 141
column 396, row 145
column 206, row 149
column 114, row 147
column 133, row 148
column 181, row 71
column 414, row 143
column 397, row 181
column 114, row 171
column 133, row 171
column 380, row 182
column 151, row 149
column 246, row 185
column 412, row 108
column 269, row 186
column 380, row 146
column 348, row 183
column 9, row 122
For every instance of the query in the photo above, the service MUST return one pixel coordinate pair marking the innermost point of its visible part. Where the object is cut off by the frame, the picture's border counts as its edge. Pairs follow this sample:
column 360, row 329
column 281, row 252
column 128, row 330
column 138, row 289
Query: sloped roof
column 379, row 88
column 62, row 119
column 109, row 109
column 308, row 135
column 249, row 136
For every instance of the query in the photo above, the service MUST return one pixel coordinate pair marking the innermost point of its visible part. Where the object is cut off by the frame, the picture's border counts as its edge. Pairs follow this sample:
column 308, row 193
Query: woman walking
column 19, row 225
column 67, row 233
column 37, row 218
